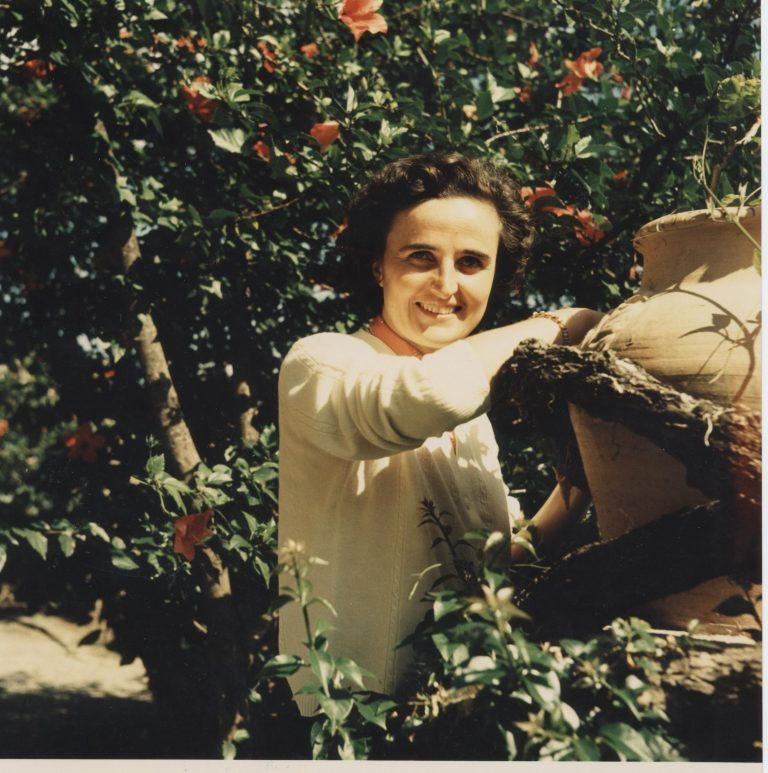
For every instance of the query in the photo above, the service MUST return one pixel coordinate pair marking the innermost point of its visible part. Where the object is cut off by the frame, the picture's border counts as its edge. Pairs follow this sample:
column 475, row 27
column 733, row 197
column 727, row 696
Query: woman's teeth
column 438, row 309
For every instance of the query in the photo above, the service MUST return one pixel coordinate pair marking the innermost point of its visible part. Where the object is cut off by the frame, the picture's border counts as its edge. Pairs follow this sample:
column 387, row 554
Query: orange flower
column 108, row 374
column 83, row 443
column 621, row 174
column 261, row 149
column 200, row 106
column 524, row 92
column 583, row 67
column 569, row 84
column 190, row 530
column 310, row 50
column 267, row 56
column 5, row 251
column 186, row 43
column 38, row 68
column 361, row 17
column 3, row 427
column 325, row 133
column 533, row 59
column 124, row 34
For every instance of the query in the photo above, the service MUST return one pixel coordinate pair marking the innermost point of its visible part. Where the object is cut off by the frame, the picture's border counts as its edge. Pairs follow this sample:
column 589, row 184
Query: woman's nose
column 446, row 281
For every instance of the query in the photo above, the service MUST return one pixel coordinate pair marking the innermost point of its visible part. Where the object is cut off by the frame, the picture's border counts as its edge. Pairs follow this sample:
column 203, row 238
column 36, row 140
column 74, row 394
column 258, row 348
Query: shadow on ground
column 59, row 724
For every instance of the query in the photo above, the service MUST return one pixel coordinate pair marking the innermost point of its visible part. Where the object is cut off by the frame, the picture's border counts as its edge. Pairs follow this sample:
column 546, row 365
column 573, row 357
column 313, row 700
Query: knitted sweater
column 365, row 436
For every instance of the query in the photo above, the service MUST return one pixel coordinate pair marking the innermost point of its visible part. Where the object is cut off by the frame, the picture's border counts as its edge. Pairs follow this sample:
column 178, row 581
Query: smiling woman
column 373, row 423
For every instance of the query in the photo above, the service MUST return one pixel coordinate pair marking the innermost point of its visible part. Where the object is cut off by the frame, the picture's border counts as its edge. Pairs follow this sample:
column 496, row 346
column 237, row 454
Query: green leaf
column 98, row 531
column 627, row 742
column 37, row 541
column 3, row 556
column 230, row 140
column 374, row 710
column 322, row 665
column 586, row 749
column 445, row 605
column 280, row 666
column 155, row 465
column 336, row 708
column 509, row 742
column 124, row 562
column 349, row 669
column 228, row 750
column 67, row 544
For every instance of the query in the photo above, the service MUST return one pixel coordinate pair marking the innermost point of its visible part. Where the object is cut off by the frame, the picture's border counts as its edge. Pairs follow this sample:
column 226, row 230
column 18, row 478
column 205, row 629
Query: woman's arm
column 495, row 347
column 553, row 517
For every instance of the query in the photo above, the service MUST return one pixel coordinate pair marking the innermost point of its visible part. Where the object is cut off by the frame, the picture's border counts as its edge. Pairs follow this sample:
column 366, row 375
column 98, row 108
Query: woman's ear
column 377, row 273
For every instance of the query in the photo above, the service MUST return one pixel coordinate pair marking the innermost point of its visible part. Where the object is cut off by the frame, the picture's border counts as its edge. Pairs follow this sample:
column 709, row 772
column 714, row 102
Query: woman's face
column 437, row 270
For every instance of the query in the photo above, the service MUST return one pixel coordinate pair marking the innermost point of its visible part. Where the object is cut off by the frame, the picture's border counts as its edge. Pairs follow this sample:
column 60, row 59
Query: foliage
column 228, row 138
column 484, row 686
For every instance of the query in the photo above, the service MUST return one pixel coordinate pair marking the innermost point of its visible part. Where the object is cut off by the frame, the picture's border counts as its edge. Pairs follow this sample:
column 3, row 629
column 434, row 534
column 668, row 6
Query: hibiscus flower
column 261, row 149
column 83, row 444
column 198, row 105
column 361, row 17
column 310, row 50
column 325, row 133
column 190, row 530
column 585, row 66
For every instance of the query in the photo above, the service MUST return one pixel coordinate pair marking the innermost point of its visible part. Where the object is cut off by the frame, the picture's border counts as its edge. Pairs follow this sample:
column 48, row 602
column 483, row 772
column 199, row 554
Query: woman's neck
column 385, row 333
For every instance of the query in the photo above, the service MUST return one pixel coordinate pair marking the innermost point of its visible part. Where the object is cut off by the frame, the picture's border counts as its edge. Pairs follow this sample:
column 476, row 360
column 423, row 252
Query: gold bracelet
column 559, row 322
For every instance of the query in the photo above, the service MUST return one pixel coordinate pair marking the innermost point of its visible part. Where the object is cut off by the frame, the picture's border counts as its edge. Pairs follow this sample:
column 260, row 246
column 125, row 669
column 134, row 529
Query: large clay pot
column 694, row 324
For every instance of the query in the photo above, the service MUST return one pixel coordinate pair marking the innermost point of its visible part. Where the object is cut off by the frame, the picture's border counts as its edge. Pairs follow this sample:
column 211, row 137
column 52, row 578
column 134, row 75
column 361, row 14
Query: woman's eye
column 422, row 257
column 470, row 261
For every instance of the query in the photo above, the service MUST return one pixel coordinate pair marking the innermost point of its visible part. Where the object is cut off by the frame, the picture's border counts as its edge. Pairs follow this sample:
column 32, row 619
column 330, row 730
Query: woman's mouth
column 438, row 310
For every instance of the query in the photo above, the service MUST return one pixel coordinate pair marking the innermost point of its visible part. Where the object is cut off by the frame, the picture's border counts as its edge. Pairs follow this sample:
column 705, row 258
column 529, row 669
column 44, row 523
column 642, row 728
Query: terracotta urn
column 694, row 324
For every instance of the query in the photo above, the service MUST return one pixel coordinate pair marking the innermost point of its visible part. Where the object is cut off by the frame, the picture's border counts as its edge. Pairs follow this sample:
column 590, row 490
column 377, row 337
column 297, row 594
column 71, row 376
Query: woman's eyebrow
column 425, row 246
column 417, row 246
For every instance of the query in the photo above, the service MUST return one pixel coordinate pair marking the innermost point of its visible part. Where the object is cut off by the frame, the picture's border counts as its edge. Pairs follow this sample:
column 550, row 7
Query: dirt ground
column 58, row 699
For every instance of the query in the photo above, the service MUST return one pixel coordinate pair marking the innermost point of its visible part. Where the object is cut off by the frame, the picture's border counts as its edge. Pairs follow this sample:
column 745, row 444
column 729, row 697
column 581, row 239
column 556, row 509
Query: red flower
column 267, row 56
column 583, row 67
column 38, row 68
column 531, row 196
column 83, row 443
column 190, row 530
column 621, row 174
column 533, row 59
column 261, row 149
column 5, row 251
column 586, row 230
column 524, row 93
column 3, row 427
column 325, row 133
column 361, row 17
column 200, row 106
column 108, row 374
column 310, row 50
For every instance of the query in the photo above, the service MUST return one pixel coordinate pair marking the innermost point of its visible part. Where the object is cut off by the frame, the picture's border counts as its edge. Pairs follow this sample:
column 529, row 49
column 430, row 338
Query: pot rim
column 692, row 219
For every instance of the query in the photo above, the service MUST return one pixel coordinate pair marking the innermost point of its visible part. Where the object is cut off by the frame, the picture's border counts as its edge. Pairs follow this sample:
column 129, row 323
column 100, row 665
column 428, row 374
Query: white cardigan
column 364, row 438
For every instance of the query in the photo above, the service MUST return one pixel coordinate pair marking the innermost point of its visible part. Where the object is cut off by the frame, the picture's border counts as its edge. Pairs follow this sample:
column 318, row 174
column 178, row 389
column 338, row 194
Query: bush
column 174, row 182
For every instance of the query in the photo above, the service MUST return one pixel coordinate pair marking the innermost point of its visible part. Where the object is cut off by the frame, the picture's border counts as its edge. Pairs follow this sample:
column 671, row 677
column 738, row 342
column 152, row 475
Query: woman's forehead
column 440, row 219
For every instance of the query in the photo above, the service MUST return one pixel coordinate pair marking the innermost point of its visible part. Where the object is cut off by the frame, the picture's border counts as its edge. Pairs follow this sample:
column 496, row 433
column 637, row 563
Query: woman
column 373, row 423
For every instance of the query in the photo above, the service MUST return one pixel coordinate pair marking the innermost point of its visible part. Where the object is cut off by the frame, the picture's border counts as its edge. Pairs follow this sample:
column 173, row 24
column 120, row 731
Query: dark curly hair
column 408, row 181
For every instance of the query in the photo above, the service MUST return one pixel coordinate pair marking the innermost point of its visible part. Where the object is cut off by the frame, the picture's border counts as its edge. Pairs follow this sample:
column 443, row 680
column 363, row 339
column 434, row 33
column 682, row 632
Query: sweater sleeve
column 355, row 403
